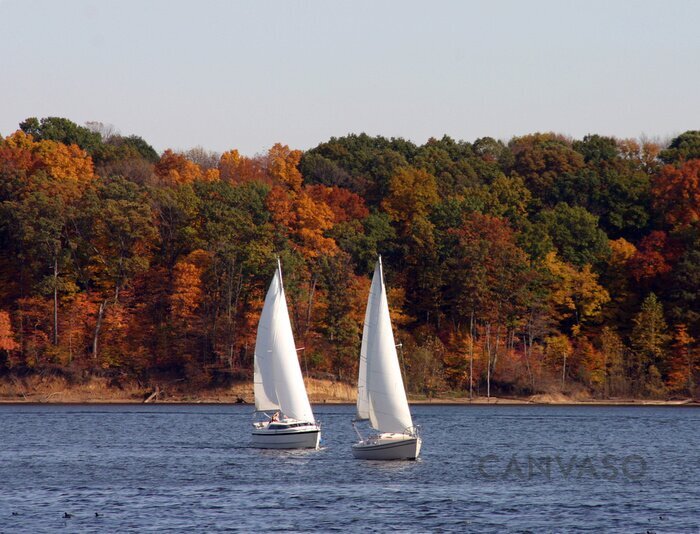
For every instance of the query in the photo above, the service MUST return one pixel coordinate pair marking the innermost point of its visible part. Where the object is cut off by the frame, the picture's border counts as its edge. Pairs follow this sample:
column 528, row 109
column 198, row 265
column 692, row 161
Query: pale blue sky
column 245, row 75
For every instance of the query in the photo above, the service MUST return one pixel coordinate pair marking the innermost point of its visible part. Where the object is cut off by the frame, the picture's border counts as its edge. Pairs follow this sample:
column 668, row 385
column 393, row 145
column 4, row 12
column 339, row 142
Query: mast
column 279, row 268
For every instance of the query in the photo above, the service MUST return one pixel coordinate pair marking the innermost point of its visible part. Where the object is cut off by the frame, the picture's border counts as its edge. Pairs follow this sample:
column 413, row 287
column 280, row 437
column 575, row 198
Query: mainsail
column 381, row 396
column 278, row 383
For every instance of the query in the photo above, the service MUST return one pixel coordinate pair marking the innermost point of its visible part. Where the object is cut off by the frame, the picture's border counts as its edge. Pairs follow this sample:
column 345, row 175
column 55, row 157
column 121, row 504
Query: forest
column 540, row 264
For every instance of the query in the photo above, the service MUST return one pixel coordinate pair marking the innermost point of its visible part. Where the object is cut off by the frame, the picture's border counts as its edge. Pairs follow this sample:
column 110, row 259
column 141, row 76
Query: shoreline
column 53, row 390
column 447, row 401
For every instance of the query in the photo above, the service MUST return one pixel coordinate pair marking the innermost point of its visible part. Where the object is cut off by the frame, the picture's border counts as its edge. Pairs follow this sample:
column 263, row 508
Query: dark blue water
column 483, row 468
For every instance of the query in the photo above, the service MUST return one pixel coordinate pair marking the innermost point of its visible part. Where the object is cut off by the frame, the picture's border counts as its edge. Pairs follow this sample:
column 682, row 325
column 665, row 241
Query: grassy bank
column 52, row 389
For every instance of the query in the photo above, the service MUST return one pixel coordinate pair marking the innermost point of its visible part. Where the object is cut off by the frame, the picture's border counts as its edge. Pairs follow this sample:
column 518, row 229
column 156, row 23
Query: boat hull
column 287, row 439
column 393, row 447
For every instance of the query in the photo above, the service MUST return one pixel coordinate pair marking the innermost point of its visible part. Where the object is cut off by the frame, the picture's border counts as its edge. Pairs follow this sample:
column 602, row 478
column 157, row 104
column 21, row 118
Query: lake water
column 170, row 468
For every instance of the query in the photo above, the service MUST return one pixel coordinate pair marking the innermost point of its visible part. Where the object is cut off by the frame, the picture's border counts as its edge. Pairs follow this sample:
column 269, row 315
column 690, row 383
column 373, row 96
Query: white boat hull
column 305, row 438
column 388, row 447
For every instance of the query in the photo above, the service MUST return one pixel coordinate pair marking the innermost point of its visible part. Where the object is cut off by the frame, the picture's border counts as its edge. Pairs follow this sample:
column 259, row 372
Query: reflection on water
column 482, row 468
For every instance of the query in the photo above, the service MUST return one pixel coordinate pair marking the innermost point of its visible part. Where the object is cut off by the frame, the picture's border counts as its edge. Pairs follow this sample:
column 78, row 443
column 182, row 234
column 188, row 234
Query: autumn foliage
column 538, row 265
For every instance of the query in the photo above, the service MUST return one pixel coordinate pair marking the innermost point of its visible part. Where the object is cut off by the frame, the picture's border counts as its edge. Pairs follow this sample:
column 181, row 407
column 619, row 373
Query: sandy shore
column 477, row 401
column 561, row 402
column 38, row 390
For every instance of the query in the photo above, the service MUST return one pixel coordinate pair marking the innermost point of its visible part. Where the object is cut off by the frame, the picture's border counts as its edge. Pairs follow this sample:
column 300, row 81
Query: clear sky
column 225, row 74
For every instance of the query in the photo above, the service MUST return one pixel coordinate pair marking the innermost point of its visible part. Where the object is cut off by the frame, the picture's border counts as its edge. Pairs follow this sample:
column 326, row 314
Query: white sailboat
column 381, row 397
column 279, row 388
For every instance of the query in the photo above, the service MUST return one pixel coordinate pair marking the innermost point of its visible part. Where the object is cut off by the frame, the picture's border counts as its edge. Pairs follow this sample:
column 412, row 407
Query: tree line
column 539, row 264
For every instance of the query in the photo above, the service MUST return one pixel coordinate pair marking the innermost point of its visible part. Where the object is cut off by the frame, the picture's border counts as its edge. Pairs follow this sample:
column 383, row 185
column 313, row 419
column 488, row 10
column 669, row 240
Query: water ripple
column 180, row 468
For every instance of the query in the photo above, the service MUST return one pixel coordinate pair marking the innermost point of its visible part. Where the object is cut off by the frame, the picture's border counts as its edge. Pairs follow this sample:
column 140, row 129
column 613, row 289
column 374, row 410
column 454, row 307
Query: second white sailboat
column 381, row 397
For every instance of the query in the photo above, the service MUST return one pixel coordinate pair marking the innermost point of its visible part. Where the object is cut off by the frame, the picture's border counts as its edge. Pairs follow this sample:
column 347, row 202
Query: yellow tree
column 621, row 251
column 283, row 166
column 312, row 220
column 412, row 192
column 49, row 166
column 576, row 293
column 649, row 339
column 69, row 165
column 557, row 353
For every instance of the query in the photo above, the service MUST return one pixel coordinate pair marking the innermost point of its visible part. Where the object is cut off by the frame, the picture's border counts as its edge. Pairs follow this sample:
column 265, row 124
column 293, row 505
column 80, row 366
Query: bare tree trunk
column 563, row 373
column 98, row 325
column 528, row 343
column 509, row 339
column 234, row 322
column 22, row 321
column 606, row 384
column 153, row 397
column 229, row 289
column 689, row 359
column 488, row 360
column 471, row 355
column 495, row 350
column 528, row 366
column 70, row 340
column 229, row 305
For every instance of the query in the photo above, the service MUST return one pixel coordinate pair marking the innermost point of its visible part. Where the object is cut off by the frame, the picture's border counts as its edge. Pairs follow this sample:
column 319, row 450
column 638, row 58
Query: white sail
column 362, row 392
column 386, row 397
column 264, row 360
column 278, row 382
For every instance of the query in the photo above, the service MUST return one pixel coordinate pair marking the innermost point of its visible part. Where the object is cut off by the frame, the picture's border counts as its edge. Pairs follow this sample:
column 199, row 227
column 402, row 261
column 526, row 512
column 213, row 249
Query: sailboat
column 381, row 397
column 280, row 394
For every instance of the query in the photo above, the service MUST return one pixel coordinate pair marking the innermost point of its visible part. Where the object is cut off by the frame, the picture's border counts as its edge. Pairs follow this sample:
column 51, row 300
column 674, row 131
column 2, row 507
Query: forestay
column 278, row 383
